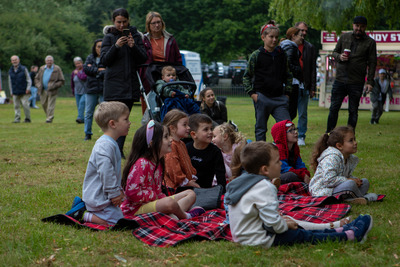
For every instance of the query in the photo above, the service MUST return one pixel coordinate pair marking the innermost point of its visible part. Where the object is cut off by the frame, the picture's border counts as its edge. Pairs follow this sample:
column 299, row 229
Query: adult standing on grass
column 49, row 78
column 78, row 86
column 160, row 45
column 122, row 51
column 308, row 65
column 294, row 38
column 378, row 95
column 19, row 82
column 94, row 87
column 355, row 52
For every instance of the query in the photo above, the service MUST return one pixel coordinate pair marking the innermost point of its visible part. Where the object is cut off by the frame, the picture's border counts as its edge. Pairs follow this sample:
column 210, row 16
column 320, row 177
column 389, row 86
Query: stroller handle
column 192, row 86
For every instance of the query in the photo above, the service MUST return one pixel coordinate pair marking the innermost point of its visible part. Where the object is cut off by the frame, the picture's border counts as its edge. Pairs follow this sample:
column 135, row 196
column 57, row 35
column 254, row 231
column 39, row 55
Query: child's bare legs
column 90, row 217
column 181, row 202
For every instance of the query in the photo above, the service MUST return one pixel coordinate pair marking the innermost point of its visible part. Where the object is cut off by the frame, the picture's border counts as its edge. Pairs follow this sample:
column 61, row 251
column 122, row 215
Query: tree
column 337, row 15
column 217, row 29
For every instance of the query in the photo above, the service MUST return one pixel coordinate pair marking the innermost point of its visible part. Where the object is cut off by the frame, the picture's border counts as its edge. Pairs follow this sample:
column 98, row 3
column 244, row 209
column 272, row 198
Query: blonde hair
column 107, row 111
column 173, row 117
column 233, row 137
column 150, row 16
column 167, row 68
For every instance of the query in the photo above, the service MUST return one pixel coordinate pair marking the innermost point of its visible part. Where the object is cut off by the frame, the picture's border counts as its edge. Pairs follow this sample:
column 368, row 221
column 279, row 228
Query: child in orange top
column 178, row 166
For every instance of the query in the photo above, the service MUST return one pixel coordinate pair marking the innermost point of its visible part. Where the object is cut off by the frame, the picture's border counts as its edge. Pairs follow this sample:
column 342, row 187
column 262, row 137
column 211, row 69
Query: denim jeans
column 299, row 236
column 32, row 99
column 302, row 106
column 80, row 104
column 90, row 104
column 339, row 91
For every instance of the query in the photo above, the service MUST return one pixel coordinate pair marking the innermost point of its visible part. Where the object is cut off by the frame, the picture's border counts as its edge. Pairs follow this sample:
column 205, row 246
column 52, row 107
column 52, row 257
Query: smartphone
column 125, row 32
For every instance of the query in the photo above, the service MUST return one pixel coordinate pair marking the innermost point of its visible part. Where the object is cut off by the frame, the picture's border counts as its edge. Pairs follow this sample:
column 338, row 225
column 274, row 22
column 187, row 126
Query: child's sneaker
column 362, row 228
column 357, row 200
column 76, row 201
column 371, row 197
column 77, row 211
column 351, row 225
column 196, row 211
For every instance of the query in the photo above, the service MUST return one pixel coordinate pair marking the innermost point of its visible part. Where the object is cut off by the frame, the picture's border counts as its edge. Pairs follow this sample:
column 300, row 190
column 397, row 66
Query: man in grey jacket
column 355, row 52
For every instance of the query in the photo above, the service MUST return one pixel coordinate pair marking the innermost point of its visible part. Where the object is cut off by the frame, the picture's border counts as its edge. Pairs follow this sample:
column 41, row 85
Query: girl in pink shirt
column 143, row 174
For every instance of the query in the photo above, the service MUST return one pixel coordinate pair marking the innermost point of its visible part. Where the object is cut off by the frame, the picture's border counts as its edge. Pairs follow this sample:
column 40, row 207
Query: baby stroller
column 154, row 101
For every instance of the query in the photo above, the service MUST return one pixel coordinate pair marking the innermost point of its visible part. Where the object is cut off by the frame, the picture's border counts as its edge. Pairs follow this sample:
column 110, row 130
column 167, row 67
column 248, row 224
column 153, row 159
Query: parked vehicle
column 236, row 65
column 220, row 69
column 210, row 75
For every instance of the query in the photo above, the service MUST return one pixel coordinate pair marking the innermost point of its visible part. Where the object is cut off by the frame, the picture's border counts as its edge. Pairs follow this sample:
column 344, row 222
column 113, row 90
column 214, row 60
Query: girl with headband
column 268, row 80
column 143, row 175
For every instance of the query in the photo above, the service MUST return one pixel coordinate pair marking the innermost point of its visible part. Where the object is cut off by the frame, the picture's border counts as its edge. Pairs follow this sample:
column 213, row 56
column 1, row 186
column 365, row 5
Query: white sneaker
column 301, row 142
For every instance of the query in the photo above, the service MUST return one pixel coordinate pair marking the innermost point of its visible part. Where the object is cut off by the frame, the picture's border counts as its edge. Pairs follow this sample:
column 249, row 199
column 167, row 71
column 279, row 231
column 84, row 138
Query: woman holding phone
column 122, row 51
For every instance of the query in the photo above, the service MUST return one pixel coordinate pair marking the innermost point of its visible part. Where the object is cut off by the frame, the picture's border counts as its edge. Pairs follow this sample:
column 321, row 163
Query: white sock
column 188, row 216
column 87, row 216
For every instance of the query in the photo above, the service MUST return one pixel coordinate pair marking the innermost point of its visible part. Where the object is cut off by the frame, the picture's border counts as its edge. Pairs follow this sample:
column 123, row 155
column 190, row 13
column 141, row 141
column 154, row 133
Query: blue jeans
column 339, row 91
column 299, row 236
column 91, row 102
column 278, row 107
column 32, row 99
column 80, row 104
column 302, row 106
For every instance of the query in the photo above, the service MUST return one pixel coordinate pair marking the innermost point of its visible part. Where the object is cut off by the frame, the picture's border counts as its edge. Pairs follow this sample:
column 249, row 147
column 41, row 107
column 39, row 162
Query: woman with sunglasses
column 122, row 51
column 293, row 168
column 294, row 38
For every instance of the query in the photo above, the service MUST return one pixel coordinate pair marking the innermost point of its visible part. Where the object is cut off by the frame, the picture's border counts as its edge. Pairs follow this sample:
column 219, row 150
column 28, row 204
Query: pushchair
column 157, row 105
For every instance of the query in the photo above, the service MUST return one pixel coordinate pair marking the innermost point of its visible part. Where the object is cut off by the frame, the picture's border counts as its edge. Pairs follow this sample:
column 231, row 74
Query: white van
column 192, row 61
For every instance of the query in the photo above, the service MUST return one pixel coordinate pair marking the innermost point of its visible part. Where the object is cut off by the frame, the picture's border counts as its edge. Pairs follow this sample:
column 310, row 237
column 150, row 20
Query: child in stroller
column 174, row 89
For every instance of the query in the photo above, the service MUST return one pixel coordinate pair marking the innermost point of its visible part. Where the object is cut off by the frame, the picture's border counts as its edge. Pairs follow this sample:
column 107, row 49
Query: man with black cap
column 354, row 53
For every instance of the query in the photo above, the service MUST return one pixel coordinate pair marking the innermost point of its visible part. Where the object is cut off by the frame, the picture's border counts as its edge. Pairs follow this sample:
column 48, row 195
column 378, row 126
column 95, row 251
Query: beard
column 358, row 33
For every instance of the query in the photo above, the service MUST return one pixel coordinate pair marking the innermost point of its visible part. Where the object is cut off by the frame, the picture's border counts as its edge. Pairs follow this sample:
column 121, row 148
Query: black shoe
column 88, row 137
column 16, row 122
column 372, row 121
column 79, row 121
column 49, row 121
column 27, row 120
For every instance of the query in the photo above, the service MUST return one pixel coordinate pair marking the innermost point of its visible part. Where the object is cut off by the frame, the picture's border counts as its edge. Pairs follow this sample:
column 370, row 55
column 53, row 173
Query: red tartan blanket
column 158, row 229
column 296, row 201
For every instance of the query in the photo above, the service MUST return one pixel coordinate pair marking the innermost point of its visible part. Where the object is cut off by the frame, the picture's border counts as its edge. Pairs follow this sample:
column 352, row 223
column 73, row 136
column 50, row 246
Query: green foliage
column 220, row 29
column 34, row 29
column 337, row 15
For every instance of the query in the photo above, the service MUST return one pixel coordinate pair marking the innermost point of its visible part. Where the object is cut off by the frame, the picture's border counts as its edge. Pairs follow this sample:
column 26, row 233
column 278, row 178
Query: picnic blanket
column 159, row 229
column 296, row 201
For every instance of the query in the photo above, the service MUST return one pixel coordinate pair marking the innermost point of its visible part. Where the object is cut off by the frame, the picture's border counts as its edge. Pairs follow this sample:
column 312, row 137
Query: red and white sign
column 378, row 36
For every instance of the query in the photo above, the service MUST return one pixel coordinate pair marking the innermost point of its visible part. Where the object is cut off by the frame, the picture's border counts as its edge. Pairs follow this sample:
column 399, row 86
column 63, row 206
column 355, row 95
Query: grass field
column 42, row 167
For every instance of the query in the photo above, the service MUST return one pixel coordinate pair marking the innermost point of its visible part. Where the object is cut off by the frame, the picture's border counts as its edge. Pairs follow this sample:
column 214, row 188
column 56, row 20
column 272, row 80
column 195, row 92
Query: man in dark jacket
column 351, row 69
column 308, row 65
column 19, row 82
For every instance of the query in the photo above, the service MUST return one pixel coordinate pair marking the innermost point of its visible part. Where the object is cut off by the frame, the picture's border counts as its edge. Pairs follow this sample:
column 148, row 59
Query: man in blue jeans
column 308, row 65
column 351, row 69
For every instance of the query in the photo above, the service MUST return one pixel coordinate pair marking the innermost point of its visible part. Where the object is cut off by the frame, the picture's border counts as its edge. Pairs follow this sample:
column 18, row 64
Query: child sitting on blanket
column 143, row 174
column 253, row 206
column 206, row 157
column 179, row 171
column 285, row 138
column 102, row 192
column 226, row 139
column 176, row 96
column 334, row 163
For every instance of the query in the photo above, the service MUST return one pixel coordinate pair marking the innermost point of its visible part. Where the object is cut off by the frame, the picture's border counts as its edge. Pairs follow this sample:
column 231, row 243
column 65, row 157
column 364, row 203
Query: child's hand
column 193, row 183
column 187, row 96
column 358, row 181
column 307, row 179
column 173, row 94
column 290, row 223
column 118, row 200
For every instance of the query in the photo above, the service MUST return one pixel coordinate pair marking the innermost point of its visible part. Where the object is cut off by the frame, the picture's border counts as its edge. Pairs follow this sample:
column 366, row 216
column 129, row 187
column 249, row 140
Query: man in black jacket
column 352, row 66
column 308, row 65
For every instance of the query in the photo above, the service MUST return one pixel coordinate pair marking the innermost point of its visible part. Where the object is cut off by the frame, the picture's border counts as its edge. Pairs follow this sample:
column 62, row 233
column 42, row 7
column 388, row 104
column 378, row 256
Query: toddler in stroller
column 170, row 92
